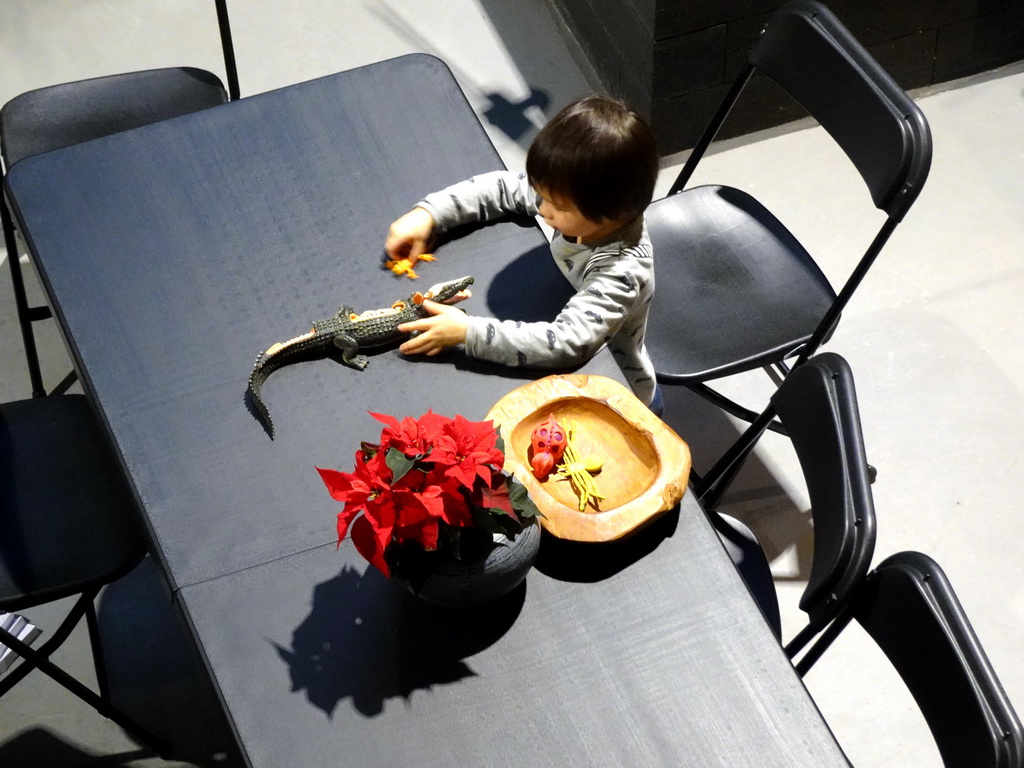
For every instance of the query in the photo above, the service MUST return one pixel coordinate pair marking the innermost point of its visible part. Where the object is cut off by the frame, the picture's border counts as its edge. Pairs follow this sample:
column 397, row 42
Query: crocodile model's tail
column 260, row 372
column 273, row 358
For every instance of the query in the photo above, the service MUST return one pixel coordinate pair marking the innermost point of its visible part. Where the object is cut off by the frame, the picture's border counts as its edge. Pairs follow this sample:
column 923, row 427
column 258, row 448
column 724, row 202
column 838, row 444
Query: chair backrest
column 909, row 608
column 807, row 52
column 817, row 404
column 814, row 58
column 62, row 115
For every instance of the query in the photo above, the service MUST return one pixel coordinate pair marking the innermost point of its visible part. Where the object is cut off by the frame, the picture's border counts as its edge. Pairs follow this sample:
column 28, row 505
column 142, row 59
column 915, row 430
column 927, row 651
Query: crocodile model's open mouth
column 460, row 296
column 440, row 289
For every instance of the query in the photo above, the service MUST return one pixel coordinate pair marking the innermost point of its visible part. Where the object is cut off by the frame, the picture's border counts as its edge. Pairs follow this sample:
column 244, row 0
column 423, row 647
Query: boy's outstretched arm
column 409, row 235
column 445, row 327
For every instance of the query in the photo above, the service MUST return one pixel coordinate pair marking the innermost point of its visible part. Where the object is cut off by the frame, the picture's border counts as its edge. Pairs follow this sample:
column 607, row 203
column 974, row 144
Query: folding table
column 173, row 254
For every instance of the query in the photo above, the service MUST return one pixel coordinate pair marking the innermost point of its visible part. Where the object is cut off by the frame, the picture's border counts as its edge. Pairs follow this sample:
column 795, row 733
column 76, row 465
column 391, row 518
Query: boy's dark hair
column 600, row 155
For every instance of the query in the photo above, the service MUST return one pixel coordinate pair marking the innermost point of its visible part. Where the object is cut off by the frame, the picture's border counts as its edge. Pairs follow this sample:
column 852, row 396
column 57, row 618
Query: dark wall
column 673, row 59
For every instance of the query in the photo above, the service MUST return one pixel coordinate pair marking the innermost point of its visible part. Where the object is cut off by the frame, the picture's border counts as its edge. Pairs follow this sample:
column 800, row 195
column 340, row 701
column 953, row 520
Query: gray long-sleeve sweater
column 613, row 280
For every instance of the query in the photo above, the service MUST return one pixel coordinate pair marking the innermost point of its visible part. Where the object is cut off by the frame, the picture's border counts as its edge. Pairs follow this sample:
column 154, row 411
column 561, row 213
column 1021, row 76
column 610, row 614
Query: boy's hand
column 446, row 327
column 409, row 235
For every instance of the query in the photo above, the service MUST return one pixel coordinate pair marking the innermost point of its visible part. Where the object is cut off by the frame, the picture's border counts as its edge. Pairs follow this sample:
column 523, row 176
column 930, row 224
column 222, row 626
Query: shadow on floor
column 155, row 672
column 155, row 676
column 755, row 497
column 37, row 747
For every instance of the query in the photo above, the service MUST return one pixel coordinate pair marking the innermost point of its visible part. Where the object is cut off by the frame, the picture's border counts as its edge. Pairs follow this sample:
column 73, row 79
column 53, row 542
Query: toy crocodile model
column 349, row 332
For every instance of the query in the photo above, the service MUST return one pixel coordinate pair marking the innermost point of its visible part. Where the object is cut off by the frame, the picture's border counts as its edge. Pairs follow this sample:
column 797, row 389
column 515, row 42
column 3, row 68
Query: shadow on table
column 36, row 747
column 529, row 288
column 369, row 640
column 590, row 562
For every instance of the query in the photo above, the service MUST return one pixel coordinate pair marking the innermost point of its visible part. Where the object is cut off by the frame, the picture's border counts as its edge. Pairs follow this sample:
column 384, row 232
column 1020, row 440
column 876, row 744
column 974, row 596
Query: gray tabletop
column 172, row 255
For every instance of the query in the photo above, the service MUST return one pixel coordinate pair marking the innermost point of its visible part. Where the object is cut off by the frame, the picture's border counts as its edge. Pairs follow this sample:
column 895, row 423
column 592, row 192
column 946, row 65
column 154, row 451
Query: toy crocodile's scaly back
column 349, row 332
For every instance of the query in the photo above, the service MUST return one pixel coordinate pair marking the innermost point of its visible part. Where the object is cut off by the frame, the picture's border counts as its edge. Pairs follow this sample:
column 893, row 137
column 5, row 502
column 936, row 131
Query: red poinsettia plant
column 427, row 481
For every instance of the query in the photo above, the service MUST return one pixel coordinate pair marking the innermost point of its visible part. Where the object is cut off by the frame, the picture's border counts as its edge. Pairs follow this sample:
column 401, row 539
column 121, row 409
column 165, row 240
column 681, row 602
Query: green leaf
column 521, row 501
column 398, row 463
column 488, row 519
column 512, row 528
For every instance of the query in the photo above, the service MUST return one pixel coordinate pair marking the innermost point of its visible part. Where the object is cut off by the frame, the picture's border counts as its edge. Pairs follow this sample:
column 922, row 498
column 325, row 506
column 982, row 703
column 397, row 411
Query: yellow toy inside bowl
column 645, row 466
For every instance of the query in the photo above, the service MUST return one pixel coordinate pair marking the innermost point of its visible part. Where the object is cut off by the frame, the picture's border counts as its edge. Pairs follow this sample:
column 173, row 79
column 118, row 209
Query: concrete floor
column 929, row 336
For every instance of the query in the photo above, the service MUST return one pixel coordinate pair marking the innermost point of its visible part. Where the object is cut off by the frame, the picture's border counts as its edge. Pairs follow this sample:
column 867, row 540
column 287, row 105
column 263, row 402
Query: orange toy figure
column 548, row 442
column 405, row 266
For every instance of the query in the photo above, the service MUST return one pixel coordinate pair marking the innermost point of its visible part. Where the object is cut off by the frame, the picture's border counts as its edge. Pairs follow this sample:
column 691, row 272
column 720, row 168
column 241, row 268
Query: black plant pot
column 490, row 566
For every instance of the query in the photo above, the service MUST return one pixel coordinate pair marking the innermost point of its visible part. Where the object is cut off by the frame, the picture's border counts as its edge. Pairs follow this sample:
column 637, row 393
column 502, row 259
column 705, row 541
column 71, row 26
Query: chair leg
column 52, row 643
column 718, row 479
column 65, row 383
column 731, row 406
column 38, row 661
column 804, row 636
column 777, row 372
column 39, row 658
column 98, row 661
column 828, row 636
column 26, row 314
column 227, row 45
column 712, row 488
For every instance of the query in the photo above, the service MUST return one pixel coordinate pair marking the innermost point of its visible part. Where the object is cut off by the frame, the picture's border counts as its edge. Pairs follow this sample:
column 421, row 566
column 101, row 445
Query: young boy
column 590, row 174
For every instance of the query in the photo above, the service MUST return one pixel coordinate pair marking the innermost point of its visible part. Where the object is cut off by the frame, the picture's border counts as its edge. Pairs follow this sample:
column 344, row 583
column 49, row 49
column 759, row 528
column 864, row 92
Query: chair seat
column 62, row 115
column 748, row 295
column 58, row 538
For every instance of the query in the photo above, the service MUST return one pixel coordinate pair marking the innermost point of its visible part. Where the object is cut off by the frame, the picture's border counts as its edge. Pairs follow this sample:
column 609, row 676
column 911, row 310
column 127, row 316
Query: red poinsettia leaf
column 443, row 451
column 341, row 485
column 409, row 509
column 385, row 419
column 376, row 465
column 479, row 432
column 464, row 473
column 382, row 513
column 416, row 437
column 431, row 426
column 496, row 499
column 483, row 437
column 398, row 434
column 410, row 436
column 432, row 498
column 453, row 506
column 345, row 518
column 426, row 534
column 367, row 543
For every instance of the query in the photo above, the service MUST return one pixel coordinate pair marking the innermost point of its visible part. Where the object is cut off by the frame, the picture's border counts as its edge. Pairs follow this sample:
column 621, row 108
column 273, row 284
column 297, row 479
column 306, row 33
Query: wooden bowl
column 646, row 464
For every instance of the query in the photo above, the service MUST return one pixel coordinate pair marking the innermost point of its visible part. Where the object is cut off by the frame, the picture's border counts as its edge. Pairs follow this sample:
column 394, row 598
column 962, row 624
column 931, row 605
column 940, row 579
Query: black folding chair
column 68, row 526
column 61, row 115
column 817, row 404
column 911, row 611
column 736, row 290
